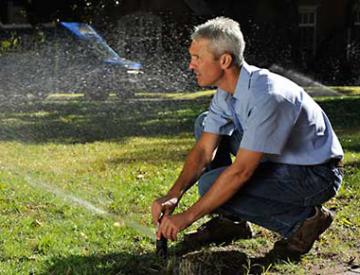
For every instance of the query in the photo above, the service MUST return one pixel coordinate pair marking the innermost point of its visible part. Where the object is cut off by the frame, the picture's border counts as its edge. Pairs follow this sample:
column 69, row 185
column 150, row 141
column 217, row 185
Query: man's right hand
column 164, row 205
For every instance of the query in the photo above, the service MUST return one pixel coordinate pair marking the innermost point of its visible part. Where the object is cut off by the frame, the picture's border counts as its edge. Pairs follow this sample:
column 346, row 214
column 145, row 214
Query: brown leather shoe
column 303, row 239
column 218, row 230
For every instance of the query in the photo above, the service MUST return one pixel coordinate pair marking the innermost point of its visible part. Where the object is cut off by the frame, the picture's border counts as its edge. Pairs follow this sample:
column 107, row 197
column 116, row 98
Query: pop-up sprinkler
column 161, row 248
column 161, row 245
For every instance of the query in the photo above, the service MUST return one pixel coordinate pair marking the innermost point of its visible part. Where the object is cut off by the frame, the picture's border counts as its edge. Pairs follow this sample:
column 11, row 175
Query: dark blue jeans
column 278, row 196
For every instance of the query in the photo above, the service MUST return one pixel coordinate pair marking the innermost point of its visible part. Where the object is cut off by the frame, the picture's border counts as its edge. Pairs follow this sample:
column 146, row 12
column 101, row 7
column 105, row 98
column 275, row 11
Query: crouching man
column 288, row 158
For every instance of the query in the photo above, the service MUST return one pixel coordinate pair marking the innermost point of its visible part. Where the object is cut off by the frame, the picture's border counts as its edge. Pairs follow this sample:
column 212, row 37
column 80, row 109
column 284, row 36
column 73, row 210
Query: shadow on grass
column 354, row 146
column 116, row 263
column 78, row 121
column 351, row 169
column 173, row 152
column 73, row 120
column 229, row 260
column 342, row 111
column 218, row 261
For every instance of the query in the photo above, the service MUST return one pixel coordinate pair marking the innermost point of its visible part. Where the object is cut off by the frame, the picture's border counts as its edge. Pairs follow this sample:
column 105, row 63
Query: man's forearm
column 194, row 165
column 226, row 186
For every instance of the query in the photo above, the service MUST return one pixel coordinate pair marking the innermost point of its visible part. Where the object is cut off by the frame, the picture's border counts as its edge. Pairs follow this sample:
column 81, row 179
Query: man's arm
column 226, row 185
column 200, row 155
column 196, row 161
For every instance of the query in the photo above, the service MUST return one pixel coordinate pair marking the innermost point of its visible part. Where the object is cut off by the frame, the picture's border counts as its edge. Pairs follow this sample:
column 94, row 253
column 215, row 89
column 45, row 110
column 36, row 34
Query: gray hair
column 224, row 35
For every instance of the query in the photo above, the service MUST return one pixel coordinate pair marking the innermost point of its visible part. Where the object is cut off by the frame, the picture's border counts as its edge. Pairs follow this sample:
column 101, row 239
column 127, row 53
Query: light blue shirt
column 276, row 116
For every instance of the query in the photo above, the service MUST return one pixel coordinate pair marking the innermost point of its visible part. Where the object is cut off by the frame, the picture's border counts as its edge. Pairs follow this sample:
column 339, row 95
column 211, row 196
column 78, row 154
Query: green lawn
column 77, row 179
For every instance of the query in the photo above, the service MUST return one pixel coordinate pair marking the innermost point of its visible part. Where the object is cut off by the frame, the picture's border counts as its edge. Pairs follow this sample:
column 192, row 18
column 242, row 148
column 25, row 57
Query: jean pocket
column 323, row 195
column 326, row 182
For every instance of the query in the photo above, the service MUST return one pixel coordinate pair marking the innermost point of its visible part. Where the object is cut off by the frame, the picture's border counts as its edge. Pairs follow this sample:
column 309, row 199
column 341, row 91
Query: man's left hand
column 170, row 226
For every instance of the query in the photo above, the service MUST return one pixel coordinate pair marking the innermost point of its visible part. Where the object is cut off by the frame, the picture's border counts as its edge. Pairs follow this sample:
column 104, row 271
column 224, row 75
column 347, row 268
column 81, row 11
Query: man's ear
column 226, row 60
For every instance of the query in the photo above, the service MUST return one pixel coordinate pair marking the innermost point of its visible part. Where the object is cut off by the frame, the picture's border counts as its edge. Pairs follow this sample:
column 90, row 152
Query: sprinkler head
column 161, row 248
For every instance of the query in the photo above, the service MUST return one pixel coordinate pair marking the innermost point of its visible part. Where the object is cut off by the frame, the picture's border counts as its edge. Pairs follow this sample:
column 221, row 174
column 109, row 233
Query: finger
column 158, row 234
column 165, row 229
column 171, row 233
column 159, row 230
column 174, row 235
column 157, row 226
column 161, row 225
column 154, row 214
column 157, row 214
column 155, row 220
column 168, row 233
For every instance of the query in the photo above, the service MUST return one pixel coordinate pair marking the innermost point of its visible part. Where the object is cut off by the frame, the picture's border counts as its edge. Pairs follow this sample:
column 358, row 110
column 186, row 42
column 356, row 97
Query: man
column 288, row 158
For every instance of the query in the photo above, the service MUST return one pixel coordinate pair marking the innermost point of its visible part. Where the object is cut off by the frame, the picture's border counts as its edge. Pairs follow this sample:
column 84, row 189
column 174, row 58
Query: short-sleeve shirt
column 276, row 117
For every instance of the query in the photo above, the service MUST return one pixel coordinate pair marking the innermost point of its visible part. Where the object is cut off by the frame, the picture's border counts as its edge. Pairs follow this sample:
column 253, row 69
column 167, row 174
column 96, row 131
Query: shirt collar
column 243, row 81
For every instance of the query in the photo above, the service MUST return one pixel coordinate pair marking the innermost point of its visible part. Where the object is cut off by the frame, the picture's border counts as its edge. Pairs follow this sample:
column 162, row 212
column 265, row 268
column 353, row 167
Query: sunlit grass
column 118, row 157
column 343, row 90
column 347, row 90
column 178, row 95
column 121, row 178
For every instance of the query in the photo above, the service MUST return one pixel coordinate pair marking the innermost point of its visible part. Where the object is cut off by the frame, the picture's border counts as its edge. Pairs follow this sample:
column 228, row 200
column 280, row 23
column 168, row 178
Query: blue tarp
column 84, row 31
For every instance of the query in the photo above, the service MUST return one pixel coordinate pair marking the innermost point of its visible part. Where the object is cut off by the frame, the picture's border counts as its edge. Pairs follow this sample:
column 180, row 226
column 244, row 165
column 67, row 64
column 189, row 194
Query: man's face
column 204, row 64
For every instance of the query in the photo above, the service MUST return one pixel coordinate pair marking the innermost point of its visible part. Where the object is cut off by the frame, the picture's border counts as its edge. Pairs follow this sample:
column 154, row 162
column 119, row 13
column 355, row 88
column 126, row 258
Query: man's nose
column 191, row 66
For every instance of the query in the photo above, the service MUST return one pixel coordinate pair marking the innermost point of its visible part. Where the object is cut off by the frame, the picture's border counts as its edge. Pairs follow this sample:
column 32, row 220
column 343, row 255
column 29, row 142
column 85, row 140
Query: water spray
column 119, row 221
column 161, row 245
column 317, row 89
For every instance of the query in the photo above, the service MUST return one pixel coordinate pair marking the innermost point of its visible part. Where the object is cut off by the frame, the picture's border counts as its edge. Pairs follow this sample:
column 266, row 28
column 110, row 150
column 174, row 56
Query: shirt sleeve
column 217, row 121
column 269, row 126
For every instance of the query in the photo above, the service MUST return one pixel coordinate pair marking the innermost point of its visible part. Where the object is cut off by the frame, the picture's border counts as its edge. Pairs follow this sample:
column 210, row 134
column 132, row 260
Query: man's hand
column 163, row 206
column 170, row 226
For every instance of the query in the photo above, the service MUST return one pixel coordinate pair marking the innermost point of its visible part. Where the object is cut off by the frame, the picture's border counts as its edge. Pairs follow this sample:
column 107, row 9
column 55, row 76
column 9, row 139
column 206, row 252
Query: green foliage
column 9, row 44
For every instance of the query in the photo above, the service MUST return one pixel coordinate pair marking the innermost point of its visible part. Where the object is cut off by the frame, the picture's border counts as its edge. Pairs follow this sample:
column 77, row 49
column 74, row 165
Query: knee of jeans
column 203, row 186
column 199, row 124
column 207, row 180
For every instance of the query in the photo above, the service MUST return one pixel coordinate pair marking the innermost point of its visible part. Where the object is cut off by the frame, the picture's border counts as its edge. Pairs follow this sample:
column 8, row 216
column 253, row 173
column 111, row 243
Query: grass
column 346, row 90
column 77, row 179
